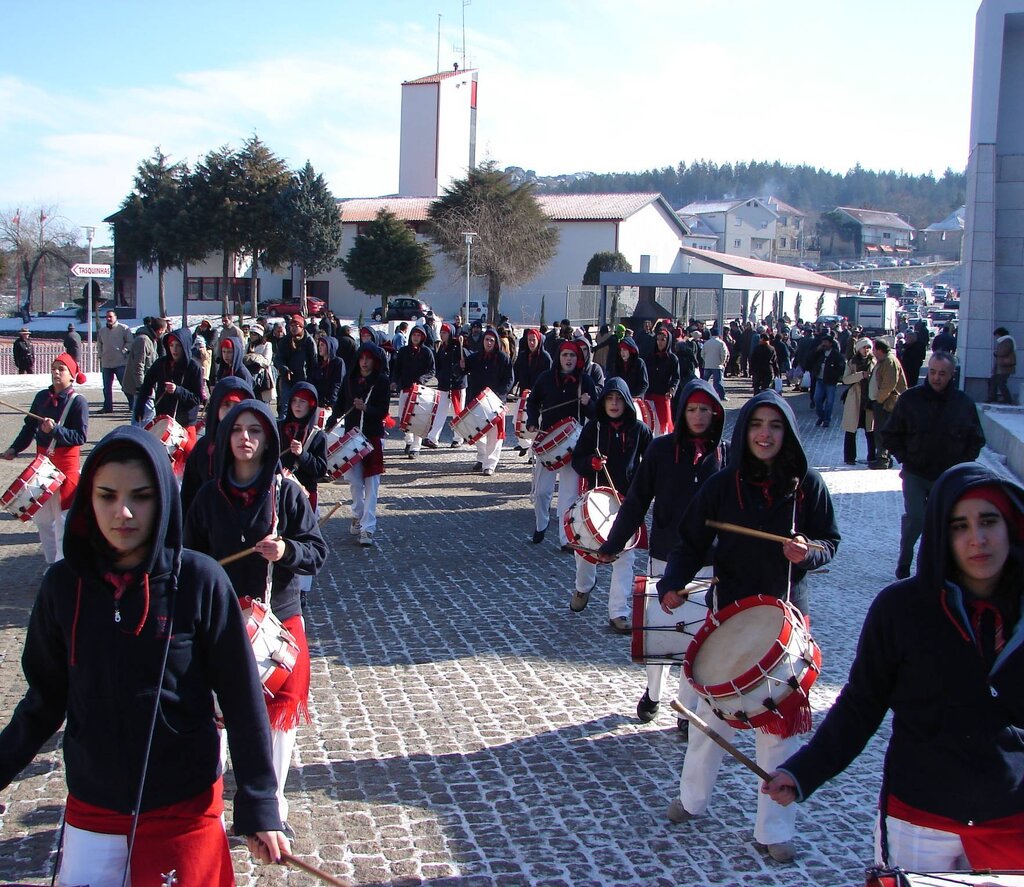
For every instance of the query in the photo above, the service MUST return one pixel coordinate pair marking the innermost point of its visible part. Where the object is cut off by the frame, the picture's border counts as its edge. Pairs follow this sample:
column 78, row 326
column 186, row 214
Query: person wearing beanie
column 259, row 361
column 943, row 651
column 563, row 392
column 249, row 504
column 675, row 466
column 451, row 382
column 59, row 435
column 413, row 365
column 769, row 485
column 490, row 368
column 857, row 412
column 610, row 450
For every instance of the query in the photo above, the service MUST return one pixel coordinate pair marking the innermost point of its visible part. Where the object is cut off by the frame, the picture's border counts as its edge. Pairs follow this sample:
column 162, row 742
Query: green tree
column 148, row 222
column 217, row 195
column 608, row 261
column 515, row 239
column 310, row 228
column 387, row 260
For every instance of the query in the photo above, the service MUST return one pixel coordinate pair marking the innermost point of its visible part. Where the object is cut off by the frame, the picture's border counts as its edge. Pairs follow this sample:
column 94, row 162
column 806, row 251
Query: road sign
column 83, row 270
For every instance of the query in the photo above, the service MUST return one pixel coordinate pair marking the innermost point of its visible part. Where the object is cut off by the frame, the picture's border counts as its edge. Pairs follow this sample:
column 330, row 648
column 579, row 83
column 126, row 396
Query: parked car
column 477, row 311
column 830, row 266
column 402, row 308
column 830, row 319
column 888, row 262
column 287, row 308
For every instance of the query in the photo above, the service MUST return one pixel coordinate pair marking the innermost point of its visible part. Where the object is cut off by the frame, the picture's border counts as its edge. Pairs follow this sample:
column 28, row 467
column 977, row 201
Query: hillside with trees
column 920, row 199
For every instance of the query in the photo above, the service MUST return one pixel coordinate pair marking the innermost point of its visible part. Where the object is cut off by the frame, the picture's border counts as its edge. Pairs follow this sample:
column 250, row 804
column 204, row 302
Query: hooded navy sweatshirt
column 556, row 395
column 200, row 462
column 414, row 363
column 102, row 675
column 530, row 364
column 621, row 441
column 183, row 404
column 673, row 469
column 791, row 499
column 237, row 366
column 311, row 464
column 220, row 524
column 489, row 370
column 662, row 369
column 374, row 390
column 634, row 371
column 450, row 375
column 957, row 745
column 328, row 374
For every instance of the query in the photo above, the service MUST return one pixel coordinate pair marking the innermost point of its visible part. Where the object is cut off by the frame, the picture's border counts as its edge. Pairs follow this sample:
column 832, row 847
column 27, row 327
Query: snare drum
column 589, row 521
column 172, row 435
column 480, row 414
column 554, row 446
column 753, row 661
column 417, row 409
column 662, row 638
column 344, row 451
column 522, row 435
column 32, row 488
column 272, row 644
column 644, row 412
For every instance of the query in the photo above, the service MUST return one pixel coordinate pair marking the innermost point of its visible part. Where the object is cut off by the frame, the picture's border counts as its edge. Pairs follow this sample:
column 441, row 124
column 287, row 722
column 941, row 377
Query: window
column 316, row 288
column 737, row 243
column 207, row 289
column 886, row 235
column 782, row 243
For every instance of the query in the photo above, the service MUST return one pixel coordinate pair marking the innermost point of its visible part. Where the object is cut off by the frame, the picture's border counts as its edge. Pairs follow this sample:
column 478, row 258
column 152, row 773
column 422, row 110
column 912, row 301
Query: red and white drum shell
column 32, row 488
column 645, row 412
column 554, row 446
column 522, row 435
column 321, row 417
column 661, row 638
column 344, row 451
column 589, row 521
column 480, row 414
column 417, row 408
column 272, row 644
column 754, row 661
column 172, row 435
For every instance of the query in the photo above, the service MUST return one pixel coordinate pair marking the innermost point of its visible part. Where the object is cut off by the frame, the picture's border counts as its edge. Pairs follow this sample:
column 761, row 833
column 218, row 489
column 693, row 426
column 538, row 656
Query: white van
column 477, row 311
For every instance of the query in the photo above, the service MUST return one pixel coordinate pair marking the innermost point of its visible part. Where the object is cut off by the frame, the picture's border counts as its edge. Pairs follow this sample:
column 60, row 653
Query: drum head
column 599, row 510
column 737, row 644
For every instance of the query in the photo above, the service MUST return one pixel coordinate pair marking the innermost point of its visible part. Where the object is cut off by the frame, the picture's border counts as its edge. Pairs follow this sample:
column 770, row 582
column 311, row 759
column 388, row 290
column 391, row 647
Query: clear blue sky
column 87, row 90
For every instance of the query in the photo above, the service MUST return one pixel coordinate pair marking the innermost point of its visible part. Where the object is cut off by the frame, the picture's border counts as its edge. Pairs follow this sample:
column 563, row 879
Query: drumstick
column 238, row 555
column 555, row 406
column 759, row 534
column 20, row 410
column 705, row 728
column 607, row 474
column 314, row 871
column 330, row 513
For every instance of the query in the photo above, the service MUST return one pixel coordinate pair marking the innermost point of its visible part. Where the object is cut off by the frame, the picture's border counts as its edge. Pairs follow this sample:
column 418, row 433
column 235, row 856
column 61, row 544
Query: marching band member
column 663, row 376
column 614, row 441
column 363, row 403
column 489, row 368
column 451, row 382
column 944, row 650
column 560, row 393
column 631, row 368
column 413, row 364
column 59, row 436
column 231, row 360
column 530, row 363
column 303, row 445
column 329, row 372
column 99, row 652
column 249, row 503
column 767, row 484
column 673, row 469
column 590, row 367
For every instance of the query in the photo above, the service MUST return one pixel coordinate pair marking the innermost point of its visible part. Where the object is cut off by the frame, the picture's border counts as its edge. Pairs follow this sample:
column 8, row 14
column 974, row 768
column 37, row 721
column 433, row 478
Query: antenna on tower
column 437, row 66
column 465, row 3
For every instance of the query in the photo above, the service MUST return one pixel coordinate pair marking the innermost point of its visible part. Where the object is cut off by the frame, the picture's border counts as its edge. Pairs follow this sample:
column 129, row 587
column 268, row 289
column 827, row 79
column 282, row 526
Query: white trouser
column 50, row 522
column 544, row 489
column 620, row 592
column 411, row 440
column 281, row 744
column 364, row 497
column 774, row 823
column 655, row 672
column 920, row 849
column 488, row 449
column 444, row 410
column 92, row 858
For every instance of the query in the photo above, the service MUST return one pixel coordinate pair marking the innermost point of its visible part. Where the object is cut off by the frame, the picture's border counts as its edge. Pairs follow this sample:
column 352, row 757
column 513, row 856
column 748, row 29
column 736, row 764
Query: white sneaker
column 354, row 527
column 365, row 538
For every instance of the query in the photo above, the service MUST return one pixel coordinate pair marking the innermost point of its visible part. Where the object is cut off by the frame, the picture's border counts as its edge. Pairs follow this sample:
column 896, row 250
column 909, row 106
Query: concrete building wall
column 418, row 157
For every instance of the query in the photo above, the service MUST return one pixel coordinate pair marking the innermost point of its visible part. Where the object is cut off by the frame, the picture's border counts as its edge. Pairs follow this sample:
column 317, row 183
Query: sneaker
column 477, row 466
column 647, row 708
column 365, row 539
column 902, row 571
column 354, row 527
column 579, row 600
column 620, row 625
column 783, row 851
column 412, row 454
column 677, row 812
column 430, row 445
column 538, row 537
column 522, row 451
column 683, row 726
column 487, row 472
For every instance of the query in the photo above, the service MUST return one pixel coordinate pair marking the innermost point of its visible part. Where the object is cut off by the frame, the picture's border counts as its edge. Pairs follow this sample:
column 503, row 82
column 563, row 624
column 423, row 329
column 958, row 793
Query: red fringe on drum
column 290, row 705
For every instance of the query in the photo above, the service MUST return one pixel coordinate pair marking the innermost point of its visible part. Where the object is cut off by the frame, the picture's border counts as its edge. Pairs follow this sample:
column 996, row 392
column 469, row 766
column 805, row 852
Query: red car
column 314, row 305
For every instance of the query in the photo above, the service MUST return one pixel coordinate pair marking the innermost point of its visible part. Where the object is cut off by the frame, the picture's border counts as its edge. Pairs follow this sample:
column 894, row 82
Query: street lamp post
column 468, row 235
column 90, row 233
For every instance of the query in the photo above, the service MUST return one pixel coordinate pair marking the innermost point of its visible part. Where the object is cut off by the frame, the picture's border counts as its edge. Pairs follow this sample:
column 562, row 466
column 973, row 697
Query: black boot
column 850, row 447
column 870, row 435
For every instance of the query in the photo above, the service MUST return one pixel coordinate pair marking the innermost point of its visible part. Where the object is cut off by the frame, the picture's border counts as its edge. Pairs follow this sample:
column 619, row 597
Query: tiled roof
column 698, row 226
column 781, row 206
column 875, row 217
column 702, row 207
column 792, row 275
column 364, row 209
column 436, row 78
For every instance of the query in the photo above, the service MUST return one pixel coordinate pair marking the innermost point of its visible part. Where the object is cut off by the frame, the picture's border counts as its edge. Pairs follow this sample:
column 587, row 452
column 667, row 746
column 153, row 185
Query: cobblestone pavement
column 468, row 729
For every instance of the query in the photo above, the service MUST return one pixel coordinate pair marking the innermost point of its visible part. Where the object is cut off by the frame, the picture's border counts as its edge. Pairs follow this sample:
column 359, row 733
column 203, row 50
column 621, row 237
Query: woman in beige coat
column 857, row 411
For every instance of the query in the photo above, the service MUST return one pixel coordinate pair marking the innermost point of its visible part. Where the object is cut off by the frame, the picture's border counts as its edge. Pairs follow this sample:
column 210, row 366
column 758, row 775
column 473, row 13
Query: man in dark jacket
column 933, row 427
column 945, row 341
column 24, row 353
column 912, row 358
column 826, row 367
column 295, row 360
column 73, row 342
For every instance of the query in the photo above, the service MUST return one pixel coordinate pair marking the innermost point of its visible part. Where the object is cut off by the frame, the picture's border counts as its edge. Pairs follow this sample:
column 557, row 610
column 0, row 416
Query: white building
column 743, row 227
column 881, row 232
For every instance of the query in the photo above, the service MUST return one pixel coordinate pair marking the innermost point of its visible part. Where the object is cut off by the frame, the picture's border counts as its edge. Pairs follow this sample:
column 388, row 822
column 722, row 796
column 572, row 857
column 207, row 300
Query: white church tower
column 438, row 142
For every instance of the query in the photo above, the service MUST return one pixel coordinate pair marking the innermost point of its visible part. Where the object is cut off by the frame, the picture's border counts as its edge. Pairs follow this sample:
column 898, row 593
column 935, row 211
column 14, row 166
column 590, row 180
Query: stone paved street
column 468, row 728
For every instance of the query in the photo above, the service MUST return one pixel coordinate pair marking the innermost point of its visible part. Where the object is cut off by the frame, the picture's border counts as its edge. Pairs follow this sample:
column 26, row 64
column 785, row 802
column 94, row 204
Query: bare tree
column 39, row 239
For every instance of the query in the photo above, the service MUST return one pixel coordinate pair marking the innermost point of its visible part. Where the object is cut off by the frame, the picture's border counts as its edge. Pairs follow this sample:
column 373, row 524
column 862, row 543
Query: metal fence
column 45, row 350
column 583, row 303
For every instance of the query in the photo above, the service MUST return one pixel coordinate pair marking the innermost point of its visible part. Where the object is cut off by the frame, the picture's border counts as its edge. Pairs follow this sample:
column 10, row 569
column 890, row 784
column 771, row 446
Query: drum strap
column 275, row 494
column 62, row 420
column 362, row 413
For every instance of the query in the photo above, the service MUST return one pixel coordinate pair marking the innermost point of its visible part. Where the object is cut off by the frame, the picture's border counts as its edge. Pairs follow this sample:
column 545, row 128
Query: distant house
column 744, row 227
column 875, row 233
column 791, row 234
column 944, row 239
